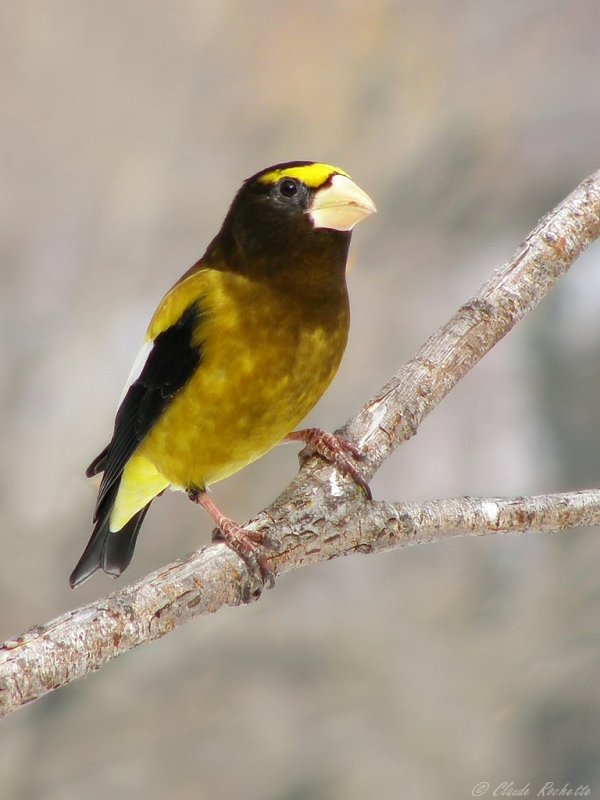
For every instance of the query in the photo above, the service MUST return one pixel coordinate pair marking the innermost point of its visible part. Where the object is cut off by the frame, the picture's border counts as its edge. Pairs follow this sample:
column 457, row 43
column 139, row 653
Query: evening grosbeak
column 236, row 354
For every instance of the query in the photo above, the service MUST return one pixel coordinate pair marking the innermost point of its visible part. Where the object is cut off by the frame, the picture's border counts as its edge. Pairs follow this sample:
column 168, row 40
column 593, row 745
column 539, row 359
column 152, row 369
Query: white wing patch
column 138, row 366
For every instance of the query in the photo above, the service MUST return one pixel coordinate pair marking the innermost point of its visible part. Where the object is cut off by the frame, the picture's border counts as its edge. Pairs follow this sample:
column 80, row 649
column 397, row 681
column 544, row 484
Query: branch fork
column 323, row 514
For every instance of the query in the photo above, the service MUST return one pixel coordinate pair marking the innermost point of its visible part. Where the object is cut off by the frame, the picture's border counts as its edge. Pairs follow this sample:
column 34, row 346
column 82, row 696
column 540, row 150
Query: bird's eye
column 288, row 188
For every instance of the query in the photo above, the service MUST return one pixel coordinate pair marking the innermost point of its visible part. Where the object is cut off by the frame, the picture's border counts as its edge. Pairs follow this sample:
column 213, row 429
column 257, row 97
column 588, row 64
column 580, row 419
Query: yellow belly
column 240, row 403
column 264, row 366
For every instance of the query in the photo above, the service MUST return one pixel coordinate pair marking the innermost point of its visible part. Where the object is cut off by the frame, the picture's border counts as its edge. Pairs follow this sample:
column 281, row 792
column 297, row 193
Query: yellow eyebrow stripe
column 311, row 175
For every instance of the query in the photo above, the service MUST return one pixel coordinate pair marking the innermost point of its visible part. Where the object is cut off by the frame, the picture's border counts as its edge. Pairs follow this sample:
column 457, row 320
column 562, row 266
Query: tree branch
column 321, row 515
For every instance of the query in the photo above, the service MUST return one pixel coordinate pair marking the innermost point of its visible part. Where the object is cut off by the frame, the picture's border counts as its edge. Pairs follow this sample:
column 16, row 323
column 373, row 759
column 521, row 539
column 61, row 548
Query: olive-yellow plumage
column 236, row 354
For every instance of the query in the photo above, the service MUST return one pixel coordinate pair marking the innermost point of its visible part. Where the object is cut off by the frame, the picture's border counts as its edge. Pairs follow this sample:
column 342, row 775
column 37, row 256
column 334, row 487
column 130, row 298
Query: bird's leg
column 248, row 545
column 335, row 449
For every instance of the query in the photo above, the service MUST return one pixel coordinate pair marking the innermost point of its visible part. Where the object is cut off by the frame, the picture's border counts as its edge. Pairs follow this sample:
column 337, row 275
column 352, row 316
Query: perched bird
column 236, row 354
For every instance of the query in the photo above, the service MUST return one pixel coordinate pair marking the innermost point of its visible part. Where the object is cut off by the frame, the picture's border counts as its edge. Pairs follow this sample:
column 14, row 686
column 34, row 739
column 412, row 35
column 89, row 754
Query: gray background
column 126, row 128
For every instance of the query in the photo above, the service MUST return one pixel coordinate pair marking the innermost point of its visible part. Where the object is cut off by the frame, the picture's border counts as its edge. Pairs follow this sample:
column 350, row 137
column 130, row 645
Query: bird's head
column 326, row 196
column 291, row 210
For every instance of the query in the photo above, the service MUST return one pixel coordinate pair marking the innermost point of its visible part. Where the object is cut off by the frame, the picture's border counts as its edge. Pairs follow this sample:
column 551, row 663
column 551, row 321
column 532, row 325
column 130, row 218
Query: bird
column 236, row 354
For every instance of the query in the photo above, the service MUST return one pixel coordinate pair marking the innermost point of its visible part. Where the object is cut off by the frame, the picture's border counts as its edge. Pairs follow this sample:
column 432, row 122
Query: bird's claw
column 335, row 449
column 249, row 546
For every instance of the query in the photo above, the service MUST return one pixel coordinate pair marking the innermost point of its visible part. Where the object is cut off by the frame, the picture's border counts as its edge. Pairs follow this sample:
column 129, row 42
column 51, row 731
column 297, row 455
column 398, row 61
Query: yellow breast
column 266, row 360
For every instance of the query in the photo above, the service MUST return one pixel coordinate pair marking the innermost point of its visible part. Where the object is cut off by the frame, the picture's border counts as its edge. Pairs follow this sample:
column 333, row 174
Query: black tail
column 109, row 551
column 98, row 464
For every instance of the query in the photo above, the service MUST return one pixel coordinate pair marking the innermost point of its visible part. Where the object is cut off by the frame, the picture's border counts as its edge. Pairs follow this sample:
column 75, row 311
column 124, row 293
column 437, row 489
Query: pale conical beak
column 340, row 205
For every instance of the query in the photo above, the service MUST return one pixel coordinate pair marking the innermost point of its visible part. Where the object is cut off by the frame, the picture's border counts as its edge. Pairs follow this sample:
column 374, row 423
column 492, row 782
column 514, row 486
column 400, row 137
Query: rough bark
column 322, row 515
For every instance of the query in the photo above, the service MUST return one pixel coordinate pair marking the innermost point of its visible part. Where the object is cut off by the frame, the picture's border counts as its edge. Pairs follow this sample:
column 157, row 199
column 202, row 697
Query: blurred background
column 126, row 128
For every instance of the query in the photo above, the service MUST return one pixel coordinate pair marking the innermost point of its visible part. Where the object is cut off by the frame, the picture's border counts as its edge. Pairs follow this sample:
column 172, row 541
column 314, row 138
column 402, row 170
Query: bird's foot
column 248, row 545
column 336, row 450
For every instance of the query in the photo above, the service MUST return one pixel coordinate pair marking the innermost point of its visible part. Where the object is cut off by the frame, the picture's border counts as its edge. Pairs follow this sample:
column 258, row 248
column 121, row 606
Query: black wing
column 171, row 362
